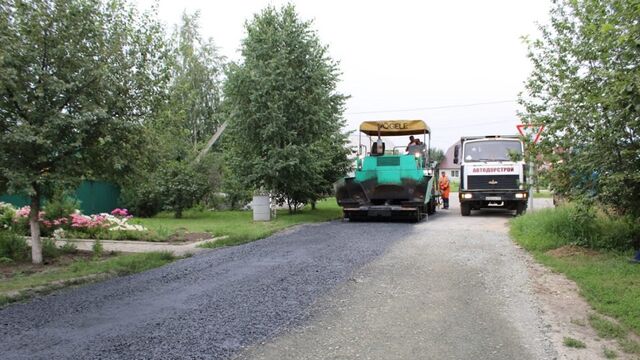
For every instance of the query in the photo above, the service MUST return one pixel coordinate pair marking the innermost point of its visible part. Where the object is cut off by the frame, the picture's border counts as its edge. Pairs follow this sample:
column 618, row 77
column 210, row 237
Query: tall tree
column 77, row 80
column 585, row 88
column 192, row 112
column 189, row 117
column 284, row 108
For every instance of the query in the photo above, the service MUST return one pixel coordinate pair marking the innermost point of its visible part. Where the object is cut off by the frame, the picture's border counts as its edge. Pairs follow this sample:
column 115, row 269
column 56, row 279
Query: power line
column 475, row 124
column 433, row 107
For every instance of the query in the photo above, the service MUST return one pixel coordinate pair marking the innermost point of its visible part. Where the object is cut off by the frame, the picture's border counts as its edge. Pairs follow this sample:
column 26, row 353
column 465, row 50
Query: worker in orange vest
column 443, row 183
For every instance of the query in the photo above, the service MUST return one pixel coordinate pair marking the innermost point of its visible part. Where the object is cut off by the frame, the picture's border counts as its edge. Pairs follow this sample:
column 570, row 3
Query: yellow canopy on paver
column 394, row 127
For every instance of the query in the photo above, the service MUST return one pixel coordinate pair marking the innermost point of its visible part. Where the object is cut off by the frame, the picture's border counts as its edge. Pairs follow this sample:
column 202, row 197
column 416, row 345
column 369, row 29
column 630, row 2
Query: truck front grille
column 492, row 182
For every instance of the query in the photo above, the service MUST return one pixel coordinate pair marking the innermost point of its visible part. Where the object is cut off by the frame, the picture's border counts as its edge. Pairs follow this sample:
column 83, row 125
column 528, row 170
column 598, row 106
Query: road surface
column 446, row 288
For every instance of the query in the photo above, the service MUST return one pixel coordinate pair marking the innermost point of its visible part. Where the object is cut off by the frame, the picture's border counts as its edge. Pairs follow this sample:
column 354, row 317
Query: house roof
column 447, row 162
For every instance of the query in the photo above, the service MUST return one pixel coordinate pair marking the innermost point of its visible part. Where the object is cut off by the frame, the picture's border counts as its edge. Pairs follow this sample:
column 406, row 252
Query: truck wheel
column 431, row 208
column 465, row 209
column 521, row 208
column 418, row 215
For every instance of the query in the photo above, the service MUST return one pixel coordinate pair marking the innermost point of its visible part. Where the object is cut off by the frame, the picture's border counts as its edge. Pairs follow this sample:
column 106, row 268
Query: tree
column 77, row 80
column 192, row 112
column 188, row 117
column 285, row 114
column 436, row 155
column 585, row 88
column 180, row 186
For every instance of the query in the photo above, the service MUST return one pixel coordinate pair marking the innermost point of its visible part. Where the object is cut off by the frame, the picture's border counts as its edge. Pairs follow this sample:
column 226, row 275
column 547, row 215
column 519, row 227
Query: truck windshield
column 492, row 150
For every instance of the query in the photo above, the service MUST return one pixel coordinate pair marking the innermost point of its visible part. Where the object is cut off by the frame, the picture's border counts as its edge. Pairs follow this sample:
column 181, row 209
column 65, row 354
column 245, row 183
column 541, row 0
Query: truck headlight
column 521, row 195
column 417, row 155
column 467, row 196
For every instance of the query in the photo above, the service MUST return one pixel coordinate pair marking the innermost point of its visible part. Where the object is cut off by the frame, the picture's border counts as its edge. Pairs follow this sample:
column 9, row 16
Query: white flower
column 59, row 234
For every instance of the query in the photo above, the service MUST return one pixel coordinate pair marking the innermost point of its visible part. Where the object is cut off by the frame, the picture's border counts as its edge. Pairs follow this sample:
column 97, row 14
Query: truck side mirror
column 456, row 152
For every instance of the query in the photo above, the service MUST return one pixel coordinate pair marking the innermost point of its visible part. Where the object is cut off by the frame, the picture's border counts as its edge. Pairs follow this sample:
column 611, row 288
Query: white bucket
column 261, row 208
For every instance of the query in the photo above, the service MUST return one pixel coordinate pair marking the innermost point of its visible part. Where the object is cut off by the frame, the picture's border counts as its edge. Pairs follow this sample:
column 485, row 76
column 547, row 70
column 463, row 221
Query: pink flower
column 23, row 211
column 120, row 212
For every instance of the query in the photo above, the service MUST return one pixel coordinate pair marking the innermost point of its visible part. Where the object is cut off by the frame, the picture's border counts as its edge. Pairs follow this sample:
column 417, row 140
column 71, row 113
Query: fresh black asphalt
column 209, row 306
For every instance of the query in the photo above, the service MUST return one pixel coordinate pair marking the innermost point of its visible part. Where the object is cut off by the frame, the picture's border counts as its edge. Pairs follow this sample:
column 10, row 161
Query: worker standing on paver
column 444, row 185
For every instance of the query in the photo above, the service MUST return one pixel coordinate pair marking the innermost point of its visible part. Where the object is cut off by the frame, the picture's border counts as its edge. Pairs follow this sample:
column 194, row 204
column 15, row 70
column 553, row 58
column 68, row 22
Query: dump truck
column 397, row 183
column 492, row 173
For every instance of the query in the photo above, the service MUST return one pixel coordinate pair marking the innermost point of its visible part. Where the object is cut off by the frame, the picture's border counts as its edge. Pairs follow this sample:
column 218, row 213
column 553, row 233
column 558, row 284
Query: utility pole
column 210, row 143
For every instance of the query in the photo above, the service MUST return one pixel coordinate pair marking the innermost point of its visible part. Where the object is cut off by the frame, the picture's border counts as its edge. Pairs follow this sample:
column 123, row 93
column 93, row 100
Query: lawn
column 239, row 226
column 606, row 278
column 21, row 280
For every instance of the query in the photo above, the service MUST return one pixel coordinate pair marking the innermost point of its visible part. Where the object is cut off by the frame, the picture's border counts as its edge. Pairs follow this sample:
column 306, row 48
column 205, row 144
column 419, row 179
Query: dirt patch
column 567, row 313
column 571, row 250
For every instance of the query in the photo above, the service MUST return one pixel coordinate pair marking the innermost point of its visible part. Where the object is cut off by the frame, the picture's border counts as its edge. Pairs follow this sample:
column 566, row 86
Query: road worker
column 444, row 185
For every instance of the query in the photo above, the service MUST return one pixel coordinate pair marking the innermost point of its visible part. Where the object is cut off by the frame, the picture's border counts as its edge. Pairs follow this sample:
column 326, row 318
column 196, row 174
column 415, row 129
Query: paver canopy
column 394, row 127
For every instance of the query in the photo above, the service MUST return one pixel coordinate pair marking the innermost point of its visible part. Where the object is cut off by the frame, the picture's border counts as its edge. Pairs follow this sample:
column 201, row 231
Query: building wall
column 453, row 174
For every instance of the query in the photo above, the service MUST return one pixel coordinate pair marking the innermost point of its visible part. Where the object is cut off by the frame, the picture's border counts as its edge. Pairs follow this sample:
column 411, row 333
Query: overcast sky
column 424, row 56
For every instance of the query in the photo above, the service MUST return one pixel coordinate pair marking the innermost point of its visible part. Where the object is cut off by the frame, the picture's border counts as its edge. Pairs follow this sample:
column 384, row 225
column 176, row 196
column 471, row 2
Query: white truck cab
column 492, row 173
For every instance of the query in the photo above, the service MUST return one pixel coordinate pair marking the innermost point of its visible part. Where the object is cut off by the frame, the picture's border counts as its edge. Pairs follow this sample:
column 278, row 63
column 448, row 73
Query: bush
column 143, row 198
column 13, row 246
column 49, row 249
column 575, row 224
column 7, row 212
column 69, row 248
column 181, row 186
column 60, row 206
column 97, row 249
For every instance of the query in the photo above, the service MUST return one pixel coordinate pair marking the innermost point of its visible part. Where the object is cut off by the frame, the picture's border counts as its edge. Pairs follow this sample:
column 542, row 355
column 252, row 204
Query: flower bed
column 104, row 226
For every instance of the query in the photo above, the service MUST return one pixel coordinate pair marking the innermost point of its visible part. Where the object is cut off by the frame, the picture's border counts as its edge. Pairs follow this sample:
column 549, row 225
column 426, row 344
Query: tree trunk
column 34, row 224
column 313, row 204
column 178, row 214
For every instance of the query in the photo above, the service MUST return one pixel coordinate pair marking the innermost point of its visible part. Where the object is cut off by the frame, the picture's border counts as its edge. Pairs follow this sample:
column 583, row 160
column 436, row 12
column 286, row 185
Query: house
column 447, row 165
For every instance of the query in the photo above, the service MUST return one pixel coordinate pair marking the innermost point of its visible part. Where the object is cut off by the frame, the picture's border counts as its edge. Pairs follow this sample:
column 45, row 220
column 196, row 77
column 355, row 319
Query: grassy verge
column 606, row 278
column 22, row 285
column 454, row 186
column 238, row 226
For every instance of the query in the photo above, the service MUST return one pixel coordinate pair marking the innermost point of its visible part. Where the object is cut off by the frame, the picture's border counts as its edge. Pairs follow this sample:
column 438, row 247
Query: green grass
column 239, row 226
column 118, row 265
column 454, row 186
column 573, row 343
column 605, row 328
column 606, row 279
column 609, row 354
column 629, row 346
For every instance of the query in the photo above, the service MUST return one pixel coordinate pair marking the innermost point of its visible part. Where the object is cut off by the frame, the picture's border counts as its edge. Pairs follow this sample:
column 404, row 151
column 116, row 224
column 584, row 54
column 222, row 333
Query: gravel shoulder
column 453, row 289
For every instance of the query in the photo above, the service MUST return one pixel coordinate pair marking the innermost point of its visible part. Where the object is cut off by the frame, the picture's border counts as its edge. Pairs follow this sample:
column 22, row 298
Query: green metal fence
column 94, row 196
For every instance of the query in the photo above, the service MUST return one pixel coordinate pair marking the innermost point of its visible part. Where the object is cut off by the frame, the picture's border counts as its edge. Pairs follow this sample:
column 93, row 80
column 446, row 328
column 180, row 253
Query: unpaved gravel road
column 447, row 288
